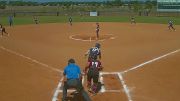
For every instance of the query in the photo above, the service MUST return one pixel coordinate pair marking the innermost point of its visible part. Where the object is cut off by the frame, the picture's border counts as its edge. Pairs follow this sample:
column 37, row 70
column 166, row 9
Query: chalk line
column 108, row 91
column 55, row 96
column 150, row 61
column 32, row 60
column 101, row 80
column 59, row 90
column 126, row 89
column 90, row 38
column 108, row 73
column 120, row 75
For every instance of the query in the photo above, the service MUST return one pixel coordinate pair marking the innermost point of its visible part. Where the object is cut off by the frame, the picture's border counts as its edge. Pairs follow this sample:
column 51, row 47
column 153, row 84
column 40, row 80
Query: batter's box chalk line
column 101, row 79
column 120, row 74
column 127, row 90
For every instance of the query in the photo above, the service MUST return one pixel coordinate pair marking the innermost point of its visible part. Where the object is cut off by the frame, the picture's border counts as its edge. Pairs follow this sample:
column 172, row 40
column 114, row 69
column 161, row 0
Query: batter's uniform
column 94, row 66
column 94, row 52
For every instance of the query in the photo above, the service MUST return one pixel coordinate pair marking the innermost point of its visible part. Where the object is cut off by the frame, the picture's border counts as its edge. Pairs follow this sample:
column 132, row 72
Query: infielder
column 3, row 30
column 10, row 20
column 97, row 30
column 170, row 25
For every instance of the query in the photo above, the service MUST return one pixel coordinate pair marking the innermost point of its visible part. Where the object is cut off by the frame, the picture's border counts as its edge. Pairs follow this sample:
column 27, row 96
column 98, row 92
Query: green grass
column 161, row 20
column 63, row 19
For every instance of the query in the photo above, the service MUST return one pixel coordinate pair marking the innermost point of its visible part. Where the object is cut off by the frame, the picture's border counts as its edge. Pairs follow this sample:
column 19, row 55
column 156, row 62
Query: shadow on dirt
column 76, row 96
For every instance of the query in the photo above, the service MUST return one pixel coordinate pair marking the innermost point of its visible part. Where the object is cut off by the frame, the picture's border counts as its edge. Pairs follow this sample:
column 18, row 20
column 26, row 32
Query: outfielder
column 170, row 25
column 36, row 20
column 70, row 21
column 133, row 20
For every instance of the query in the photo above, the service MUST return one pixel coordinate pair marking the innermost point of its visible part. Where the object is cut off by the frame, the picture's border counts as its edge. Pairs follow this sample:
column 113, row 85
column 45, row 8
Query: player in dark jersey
column 70, row 21
column 36, row 20
column 170, row 25
column 133, row 20
column 94, row 51
column 3, row 30
column 97, row 30
column 92, row 70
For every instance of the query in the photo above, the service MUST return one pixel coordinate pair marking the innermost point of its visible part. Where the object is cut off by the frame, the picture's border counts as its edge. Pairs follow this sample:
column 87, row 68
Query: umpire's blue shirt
column 72, row 71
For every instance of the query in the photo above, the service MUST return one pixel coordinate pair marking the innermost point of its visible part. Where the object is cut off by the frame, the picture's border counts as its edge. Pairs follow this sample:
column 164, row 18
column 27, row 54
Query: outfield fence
column 87, row 13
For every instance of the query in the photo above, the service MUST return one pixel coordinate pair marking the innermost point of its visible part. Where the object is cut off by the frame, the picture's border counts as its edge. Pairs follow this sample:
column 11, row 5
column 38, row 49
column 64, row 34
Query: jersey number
column 95, row 63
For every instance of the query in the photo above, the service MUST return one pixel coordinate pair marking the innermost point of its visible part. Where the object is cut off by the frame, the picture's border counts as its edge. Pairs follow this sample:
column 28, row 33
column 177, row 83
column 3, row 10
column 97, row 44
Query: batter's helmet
column 97, row 45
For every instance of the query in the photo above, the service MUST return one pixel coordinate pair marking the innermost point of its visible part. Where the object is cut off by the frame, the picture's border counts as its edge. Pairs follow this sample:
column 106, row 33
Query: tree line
column 110, row 3
column 135, row 6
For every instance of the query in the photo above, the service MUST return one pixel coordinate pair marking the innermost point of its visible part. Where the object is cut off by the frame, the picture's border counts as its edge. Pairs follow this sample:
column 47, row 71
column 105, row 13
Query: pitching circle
column 80, row 37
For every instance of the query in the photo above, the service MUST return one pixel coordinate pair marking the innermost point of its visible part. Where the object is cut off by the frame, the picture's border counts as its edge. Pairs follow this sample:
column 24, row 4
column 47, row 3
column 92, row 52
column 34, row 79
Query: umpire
column 72, row 79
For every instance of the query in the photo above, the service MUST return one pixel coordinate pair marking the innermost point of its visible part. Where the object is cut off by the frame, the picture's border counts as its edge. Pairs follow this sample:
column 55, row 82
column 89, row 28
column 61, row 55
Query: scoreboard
column 168, row 5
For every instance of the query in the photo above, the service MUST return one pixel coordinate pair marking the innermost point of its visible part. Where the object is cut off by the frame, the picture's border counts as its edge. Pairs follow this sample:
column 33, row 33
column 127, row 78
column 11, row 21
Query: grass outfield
column 63, row 19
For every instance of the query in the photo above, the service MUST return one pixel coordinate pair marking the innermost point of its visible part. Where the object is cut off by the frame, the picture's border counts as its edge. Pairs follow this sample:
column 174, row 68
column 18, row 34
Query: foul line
column 90, row 39
column 150, row 61
column 32, row 60
column 55, row 96
column 120, row 74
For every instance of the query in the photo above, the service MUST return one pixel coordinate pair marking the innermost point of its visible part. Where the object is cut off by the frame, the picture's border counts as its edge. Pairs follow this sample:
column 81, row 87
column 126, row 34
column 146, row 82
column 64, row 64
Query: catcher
column 92, row 70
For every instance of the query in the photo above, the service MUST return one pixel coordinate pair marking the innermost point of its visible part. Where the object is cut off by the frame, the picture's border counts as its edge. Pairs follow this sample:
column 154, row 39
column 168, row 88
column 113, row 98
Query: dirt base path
column 33, row 57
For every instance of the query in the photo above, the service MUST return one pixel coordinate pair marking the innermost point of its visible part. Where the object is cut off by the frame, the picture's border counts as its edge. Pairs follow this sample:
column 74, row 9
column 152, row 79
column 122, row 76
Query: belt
column 73, row 78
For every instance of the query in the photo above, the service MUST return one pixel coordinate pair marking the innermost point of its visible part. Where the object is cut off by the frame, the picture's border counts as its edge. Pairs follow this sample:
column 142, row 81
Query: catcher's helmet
column 97, row 45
